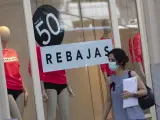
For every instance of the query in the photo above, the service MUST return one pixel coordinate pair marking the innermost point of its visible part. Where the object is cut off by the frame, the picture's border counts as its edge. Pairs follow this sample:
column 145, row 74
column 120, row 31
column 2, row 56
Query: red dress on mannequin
column 135, row 49
column 55, row 77
column 105, row 67
column 52, row 80
column 12, row 71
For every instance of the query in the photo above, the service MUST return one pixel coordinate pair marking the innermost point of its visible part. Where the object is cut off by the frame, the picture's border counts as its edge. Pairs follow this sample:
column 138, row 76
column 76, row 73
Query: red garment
column 135, row 49
column 130, row 50
column 105, row 67
column 12, row 71
column 56, row 77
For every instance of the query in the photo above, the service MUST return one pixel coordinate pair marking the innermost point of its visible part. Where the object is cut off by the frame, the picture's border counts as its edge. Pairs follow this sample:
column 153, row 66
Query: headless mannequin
column 138, row 64
column 16, row 106
column 54, row 90
column 53, row 99
column 50, row 95
column 107, row 34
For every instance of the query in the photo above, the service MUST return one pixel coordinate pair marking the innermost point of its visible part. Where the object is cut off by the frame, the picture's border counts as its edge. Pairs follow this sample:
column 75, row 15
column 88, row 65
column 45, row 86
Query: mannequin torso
column 17, row 93
column 11, row 65
column 56, row 77
column 54, row 89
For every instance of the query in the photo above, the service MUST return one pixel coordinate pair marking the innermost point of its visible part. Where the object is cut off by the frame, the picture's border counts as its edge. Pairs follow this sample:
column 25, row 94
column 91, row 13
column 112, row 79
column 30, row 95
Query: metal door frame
column 32, row 50
column 145, row 50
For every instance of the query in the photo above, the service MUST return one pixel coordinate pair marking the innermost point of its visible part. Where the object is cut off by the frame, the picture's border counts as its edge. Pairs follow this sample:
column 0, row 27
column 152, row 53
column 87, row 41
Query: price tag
column 48, row 26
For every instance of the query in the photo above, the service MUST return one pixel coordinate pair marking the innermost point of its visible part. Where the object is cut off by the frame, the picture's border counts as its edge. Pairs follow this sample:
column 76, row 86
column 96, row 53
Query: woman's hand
column 127, row 94
column 25, row 98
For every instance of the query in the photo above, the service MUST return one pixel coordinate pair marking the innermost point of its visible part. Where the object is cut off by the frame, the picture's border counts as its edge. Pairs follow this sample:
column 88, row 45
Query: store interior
column 83, row 22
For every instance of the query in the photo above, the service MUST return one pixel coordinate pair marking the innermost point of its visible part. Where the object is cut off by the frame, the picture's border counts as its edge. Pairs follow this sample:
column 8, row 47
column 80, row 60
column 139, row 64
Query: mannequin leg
column 20, row 103
column 63, row 104
column 51, row 104
column 14, row 110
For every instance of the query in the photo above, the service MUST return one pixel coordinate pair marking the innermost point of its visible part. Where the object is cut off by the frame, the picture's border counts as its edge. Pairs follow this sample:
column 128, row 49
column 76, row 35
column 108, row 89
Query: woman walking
column 117, row 62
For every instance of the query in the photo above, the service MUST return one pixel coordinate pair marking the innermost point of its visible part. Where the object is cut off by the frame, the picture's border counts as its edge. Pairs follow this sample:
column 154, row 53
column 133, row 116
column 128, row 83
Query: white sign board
column 75, row 55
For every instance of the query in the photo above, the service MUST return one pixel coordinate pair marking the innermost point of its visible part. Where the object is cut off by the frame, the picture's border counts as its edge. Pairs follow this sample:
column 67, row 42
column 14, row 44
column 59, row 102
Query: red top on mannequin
column 56, row 77
column 136, row 49
column 12, row 71
column 105, row 67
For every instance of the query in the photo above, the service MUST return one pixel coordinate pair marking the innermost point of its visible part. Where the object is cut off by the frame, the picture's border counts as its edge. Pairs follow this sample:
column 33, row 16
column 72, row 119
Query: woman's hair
column 120, row 56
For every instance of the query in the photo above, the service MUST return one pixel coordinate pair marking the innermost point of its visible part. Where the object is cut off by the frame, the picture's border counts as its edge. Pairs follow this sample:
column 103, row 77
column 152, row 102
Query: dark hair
column 120, row 56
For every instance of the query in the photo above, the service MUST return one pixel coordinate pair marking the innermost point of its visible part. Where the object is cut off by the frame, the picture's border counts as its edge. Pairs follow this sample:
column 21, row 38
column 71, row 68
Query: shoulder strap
column 129, row 74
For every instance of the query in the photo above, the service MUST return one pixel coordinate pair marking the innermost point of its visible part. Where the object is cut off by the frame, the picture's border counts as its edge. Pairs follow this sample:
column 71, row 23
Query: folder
column 130, row 85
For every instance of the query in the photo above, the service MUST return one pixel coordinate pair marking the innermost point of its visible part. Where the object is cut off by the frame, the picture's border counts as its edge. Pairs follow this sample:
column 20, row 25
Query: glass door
column 133, row 40
column 84, row 21
column 88, row 21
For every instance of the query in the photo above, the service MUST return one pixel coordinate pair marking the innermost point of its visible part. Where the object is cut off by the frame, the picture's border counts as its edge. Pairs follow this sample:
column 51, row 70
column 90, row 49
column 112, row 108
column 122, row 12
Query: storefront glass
column 82, row 94
column 12, row 16
column 130, row 37
column 83, row 21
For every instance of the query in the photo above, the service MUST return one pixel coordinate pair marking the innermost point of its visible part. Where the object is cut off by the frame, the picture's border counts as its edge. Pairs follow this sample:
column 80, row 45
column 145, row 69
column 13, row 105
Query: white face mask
column 113, row 66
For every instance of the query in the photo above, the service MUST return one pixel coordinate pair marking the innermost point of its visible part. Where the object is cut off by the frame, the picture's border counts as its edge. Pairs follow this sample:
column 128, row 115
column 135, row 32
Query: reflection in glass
column 82, row 22
column 15, row 54
column 96, row 17
column 130, row 36
column 55, row 85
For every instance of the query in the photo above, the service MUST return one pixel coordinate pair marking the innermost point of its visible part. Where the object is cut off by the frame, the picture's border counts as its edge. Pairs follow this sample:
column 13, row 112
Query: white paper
column 130, row 85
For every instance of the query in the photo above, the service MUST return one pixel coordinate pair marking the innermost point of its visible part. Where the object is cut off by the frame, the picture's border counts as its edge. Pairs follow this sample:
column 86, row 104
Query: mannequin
column 107, row 35
column 54, row 89
column 105, row 67
column 17, row 93
column 136, row 55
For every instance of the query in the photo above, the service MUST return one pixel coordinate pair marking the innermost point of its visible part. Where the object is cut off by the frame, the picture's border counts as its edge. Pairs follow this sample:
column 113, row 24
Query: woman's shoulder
column 133, row 73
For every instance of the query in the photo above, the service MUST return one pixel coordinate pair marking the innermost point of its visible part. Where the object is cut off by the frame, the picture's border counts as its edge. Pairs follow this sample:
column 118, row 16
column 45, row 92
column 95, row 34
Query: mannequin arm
column 42, row 86
column 44, row 94
column 142, row 74
column 70, row 89
column 105, row 76
column 141, row 69
column 25, row 95
column 24, row 88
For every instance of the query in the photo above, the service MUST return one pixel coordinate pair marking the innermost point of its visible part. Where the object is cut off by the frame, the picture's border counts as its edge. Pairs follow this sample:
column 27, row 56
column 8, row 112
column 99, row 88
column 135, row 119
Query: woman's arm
column 108, row 103
column 142, row 90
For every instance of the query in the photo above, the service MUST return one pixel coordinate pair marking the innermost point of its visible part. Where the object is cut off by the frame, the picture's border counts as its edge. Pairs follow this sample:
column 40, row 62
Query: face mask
column 113, row 66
